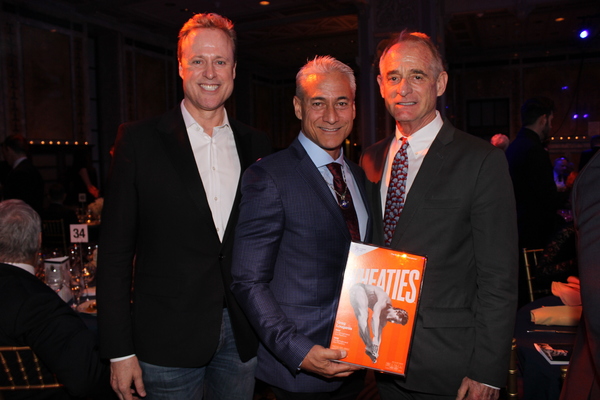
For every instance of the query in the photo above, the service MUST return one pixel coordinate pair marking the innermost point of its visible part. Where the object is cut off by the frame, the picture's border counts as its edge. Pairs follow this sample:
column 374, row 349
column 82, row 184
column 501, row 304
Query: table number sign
column 79, row 233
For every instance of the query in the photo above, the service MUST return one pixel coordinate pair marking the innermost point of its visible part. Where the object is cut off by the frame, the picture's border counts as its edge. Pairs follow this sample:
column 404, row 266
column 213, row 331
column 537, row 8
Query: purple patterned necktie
column 344, row 199
column 394, row 202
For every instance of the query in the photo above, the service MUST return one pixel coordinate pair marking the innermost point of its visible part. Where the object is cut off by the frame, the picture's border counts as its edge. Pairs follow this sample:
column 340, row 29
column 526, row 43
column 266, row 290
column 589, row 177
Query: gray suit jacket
column 460, row 213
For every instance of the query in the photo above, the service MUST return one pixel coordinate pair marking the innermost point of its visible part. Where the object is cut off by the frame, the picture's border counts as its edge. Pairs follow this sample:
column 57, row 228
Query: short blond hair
column 211, row 21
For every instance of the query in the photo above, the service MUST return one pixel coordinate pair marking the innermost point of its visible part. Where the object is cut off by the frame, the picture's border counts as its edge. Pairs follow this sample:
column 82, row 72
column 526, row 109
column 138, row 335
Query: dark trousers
column 390, row 390
column 349, row 390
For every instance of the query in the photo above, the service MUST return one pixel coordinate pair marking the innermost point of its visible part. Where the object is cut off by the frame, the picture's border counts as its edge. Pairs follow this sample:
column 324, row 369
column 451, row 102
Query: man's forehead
column 406, row 54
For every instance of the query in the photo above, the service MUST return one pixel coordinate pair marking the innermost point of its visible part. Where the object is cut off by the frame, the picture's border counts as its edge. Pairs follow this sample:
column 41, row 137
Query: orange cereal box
column 378, row 306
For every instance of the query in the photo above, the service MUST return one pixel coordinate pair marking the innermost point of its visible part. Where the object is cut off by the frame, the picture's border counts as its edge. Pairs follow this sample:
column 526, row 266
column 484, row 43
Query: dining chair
column 530, row 257
column 512, row 385
column 54, row 235
column 21, row 369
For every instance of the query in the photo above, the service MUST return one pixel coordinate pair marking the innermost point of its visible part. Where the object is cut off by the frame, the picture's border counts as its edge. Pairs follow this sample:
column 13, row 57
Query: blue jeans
column 225, row 377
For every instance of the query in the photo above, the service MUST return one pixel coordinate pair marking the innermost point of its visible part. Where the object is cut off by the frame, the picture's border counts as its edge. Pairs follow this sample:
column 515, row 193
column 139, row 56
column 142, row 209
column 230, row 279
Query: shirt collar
column 422, row 139
column 189, row 121
column 26, row 267
column 18, row 161
column 318, row 156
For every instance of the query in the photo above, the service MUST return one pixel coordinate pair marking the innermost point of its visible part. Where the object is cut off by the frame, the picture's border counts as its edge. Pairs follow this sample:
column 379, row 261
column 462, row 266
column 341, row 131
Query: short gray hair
column 323, row 65
column 418, row 38
column 20, row 227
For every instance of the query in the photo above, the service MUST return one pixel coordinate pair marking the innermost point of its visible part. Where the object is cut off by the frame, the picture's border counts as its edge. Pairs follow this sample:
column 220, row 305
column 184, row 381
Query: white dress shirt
column 218, row 164
column 418, row 146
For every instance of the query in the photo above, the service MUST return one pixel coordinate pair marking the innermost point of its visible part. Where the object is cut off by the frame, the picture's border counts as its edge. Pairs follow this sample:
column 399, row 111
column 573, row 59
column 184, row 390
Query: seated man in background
column 33, row 315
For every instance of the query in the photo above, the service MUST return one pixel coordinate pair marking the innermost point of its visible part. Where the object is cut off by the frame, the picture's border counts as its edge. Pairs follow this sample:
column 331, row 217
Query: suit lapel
column 432, row 164
column 179, row 150
column 310, row 173
column 374, row 163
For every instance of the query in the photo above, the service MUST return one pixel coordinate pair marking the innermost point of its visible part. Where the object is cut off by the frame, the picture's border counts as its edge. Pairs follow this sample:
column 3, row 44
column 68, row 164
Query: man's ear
column 298, row 107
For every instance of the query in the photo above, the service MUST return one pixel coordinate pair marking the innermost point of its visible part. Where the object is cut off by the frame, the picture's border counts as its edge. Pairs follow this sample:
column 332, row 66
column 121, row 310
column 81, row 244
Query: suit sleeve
column 493, row 222
column 260, row 230
column 116, row 253
column 60, row 339
column 586, row 207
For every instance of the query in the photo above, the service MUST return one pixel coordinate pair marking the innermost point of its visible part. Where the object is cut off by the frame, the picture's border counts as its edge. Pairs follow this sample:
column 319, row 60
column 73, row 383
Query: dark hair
column 17, row 143
column 534, row 108
column 209, row 20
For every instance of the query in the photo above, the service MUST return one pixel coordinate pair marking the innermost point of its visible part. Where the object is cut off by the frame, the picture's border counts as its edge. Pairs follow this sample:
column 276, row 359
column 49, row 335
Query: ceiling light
column 559, row 19
column 264, row 3
column 584, row 33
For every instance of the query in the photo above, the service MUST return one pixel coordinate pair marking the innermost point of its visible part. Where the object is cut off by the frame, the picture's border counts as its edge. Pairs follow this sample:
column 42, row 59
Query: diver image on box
column 364, row 297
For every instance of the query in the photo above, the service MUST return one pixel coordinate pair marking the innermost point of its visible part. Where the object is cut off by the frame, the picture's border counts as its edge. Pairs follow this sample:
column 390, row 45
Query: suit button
column 221, row 256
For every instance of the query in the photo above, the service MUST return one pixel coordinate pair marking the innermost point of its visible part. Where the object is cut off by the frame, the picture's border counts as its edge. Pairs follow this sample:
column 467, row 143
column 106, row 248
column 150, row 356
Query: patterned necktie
column 394, row 202
column 344, row 200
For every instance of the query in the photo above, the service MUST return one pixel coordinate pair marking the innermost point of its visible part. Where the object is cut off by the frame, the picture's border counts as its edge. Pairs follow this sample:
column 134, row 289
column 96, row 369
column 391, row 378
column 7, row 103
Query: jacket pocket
column 447, row 318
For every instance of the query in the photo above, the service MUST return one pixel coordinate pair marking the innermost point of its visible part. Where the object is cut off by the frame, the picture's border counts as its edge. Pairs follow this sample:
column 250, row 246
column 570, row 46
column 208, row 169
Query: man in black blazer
column 533, row 175
column 24, row 181
column 583, row 378
column 34, row 315
column 167, row 231
column 458, row 210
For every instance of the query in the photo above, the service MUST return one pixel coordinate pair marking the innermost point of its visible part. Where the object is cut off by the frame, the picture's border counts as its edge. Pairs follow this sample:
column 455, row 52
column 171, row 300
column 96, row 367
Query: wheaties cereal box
column 378, row 307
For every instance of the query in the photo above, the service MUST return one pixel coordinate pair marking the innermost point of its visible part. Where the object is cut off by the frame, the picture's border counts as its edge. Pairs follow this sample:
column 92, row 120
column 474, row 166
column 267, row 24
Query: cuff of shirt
column 121, row 358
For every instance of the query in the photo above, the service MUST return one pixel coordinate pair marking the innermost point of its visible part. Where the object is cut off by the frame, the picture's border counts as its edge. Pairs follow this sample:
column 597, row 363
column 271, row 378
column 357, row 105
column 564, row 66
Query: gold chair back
column 54, row 235
column 21, row 369
column 512, row 386
column 530, row 257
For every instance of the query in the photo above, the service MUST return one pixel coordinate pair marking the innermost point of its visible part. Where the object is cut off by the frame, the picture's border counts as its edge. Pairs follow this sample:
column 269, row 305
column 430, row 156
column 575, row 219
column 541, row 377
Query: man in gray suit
column 451, row 199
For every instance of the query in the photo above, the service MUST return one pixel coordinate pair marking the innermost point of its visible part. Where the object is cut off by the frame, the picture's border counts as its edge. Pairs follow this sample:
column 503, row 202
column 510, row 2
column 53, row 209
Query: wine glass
column 55, row 283
column 87, row 275
column 54, row 278
column 75, row 284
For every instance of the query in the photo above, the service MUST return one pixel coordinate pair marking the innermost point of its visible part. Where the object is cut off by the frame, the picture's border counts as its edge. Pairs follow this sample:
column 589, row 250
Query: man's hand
column 319, row 360
column 471, row 390
column 122, row 374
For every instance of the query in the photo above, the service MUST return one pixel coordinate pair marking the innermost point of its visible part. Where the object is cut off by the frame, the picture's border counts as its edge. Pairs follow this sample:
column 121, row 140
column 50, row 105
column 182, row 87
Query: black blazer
column 33, row 315
column 156, row 213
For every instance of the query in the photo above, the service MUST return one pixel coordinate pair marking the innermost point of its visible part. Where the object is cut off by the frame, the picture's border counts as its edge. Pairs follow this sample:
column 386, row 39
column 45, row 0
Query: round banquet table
column 541, row 380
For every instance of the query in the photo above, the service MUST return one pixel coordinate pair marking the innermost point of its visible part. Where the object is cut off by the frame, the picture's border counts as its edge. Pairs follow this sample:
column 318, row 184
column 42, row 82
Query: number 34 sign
column 79, row 233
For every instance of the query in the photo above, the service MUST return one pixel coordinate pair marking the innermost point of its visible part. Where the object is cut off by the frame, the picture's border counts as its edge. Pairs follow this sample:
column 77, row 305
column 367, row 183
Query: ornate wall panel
column 47, row 83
